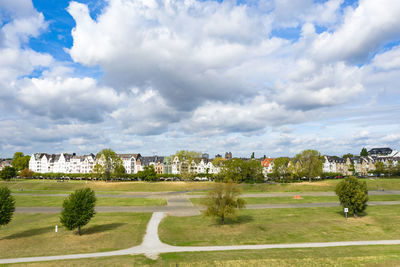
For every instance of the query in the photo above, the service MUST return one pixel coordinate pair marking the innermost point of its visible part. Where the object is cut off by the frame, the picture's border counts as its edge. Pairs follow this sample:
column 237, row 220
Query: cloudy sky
column 270, row 76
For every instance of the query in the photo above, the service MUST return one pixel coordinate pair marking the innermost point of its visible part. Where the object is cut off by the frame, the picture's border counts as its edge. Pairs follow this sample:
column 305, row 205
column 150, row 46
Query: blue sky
column 272, row 76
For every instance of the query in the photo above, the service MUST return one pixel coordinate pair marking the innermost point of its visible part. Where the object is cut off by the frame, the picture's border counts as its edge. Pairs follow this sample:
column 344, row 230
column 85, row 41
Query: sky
column 272, row 77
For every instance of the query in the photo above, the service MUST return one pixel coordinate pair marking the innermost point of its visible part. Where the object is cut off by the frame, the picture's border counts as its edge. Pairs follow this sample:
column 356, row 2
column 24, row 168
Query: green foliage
column 20, row 161
column 26, row 173
column 7, row 206
column 309, row 163
column 7, row 173
column 78, row 209
column 97, row 172
column 119, row 171
column 348, row 155
column 353, row 194
column 148, row 174
column 240, row 171
column 281, row 167
column 364, row 152
column 223, row 200
column 379, row 167
column 187, row 155
column 110, row 163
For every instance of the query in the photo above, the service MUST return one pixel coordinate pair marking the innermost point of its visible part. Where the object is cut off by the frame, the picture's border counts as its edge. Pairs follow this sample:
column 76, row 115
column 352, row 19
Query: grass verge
column 334, row 256
column 34, row 235
column 304, row 199
column 271, row 226
column 45, row 201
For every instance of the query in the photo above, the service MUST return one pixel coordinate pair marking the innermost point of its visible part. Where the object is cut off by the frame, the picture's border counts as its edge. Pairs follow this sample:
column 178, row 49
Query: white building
column 61, row 163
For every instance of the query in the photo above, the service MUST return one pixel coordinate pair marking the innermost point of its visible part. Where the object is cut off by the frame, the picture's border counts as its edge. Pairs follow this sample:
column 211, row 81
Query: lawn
column 304, row 199
column 34, row 235
column 45, row 201
column 271, row 226
column 334, row 256
column 52, row 186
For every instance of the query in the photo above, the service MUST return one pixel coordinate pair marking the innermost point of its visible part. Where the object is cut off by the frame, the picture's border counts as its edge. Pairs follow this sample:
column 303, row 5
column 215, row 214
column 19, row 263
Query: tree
column 353, row 194
column 7, row 173
column 119, row 171
column 240, row 171
column 379, row 168
column 280, row 167
column 26, row 173
column 252, row 155
column 109, row 161
column 20, row 161
column 148, row 174
column 7, row 206
column 364, row 152
column 390, row 168
column 310, row 163
column 348, row 155
column 187, row 155
column 78, row 209
column 223, row 200
column 97, row 171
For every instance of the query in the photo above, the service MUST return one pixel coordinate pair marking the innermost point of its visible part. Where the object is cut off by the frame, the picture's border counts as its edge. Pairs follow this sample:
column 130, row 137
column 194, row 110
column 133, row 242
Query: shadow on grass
column 241, row 219
column 101, row 228
column 31, row 232
column 360, row 215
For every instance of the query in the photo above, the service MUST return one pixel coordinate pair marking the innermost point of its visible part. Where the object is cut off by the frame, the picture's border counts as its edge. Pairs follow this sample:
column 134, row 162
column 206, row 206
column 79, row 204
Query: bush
column 78, row 209
column 7, row 206
column 7, row 173
column 353, row 194
column 26, row 173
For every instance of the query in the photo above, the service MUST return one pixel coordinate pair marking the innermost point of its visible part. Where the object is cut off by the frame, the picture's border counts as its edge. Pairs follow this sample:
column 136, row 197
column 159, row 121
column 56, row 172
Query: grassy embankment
column 34, row 235
column 272, row 226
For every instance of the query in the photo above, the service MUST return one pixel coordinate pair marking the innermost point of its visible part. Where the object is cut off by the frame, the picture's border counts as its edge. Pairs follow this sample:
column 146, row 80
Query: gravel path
column 152, row 246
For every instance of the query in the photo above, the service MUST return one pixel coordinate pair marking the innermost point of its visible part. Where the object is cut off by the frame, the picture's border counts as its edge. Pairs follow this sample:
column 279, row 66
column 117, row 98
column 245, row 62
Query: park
column 120, row 231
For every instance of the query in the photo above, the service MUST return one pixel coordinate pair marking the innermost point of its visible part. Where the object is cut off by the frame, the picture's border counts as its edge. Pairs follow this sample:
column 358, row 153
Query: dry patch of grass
column 34, row 235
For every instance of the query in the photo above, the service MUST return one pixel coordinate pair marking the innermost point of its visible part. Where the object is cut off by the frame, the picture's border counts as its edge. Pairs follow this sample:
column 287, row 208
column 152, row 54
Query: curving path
column 152, row 246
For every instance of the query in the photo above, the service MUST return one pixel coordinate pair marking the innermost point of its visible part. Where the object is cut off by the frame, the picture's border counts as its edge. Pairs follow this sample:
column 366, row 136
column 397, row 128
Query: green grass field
column 304, row 199
column 45, row 201
column 271, row 226
column 33, row 234
column 335, row 256
column 52, row 186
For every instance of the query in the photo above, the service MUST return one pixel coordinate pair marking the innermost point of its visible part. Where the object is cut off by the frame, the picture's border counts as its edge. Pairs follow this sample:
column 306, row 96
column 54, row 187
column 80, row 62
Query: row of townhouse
column 133, row 163
column 361, row 165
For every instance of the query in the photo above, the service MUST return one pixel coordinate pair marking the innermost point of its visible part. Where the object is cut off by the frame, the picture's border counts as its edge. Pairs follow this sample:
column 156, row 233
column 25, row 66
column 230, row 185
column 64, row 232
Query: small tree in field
column 353, row 194
column 7, row 206
column 223, row 200
column 78, row 209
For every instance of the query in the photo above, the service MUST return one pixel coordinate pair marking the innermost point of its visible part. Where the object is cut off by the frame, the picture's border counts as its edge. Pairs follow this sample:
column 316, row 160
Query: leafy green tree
column 187, row 155
column 348, row 155
column 353, row 194
column 7, row 206
column 364, row 152
column 97, row 171
column 390, row 168
column 281, row 167
column 119, row 171
column 223, row 200
column 379, row 168
column 148, row 174
column 7, row 173
column 240, row 171
column 310, row 163
column 20, row 161
column 26, row 173
column 78, row 209
column 109, row 161
column 252, row 155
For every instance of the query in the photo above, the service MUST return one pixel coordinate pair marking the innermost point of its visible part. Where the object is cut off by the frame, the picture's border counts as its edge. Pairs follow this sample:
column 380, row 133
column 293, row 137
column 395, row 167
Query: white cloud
column 365, row 28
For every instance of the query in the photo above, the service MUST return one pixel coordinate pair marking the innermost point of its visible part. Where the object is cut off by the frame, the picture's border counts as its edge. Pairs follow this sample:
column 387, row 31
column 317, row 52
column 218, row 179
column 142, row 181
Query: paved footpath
column 152, row 246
